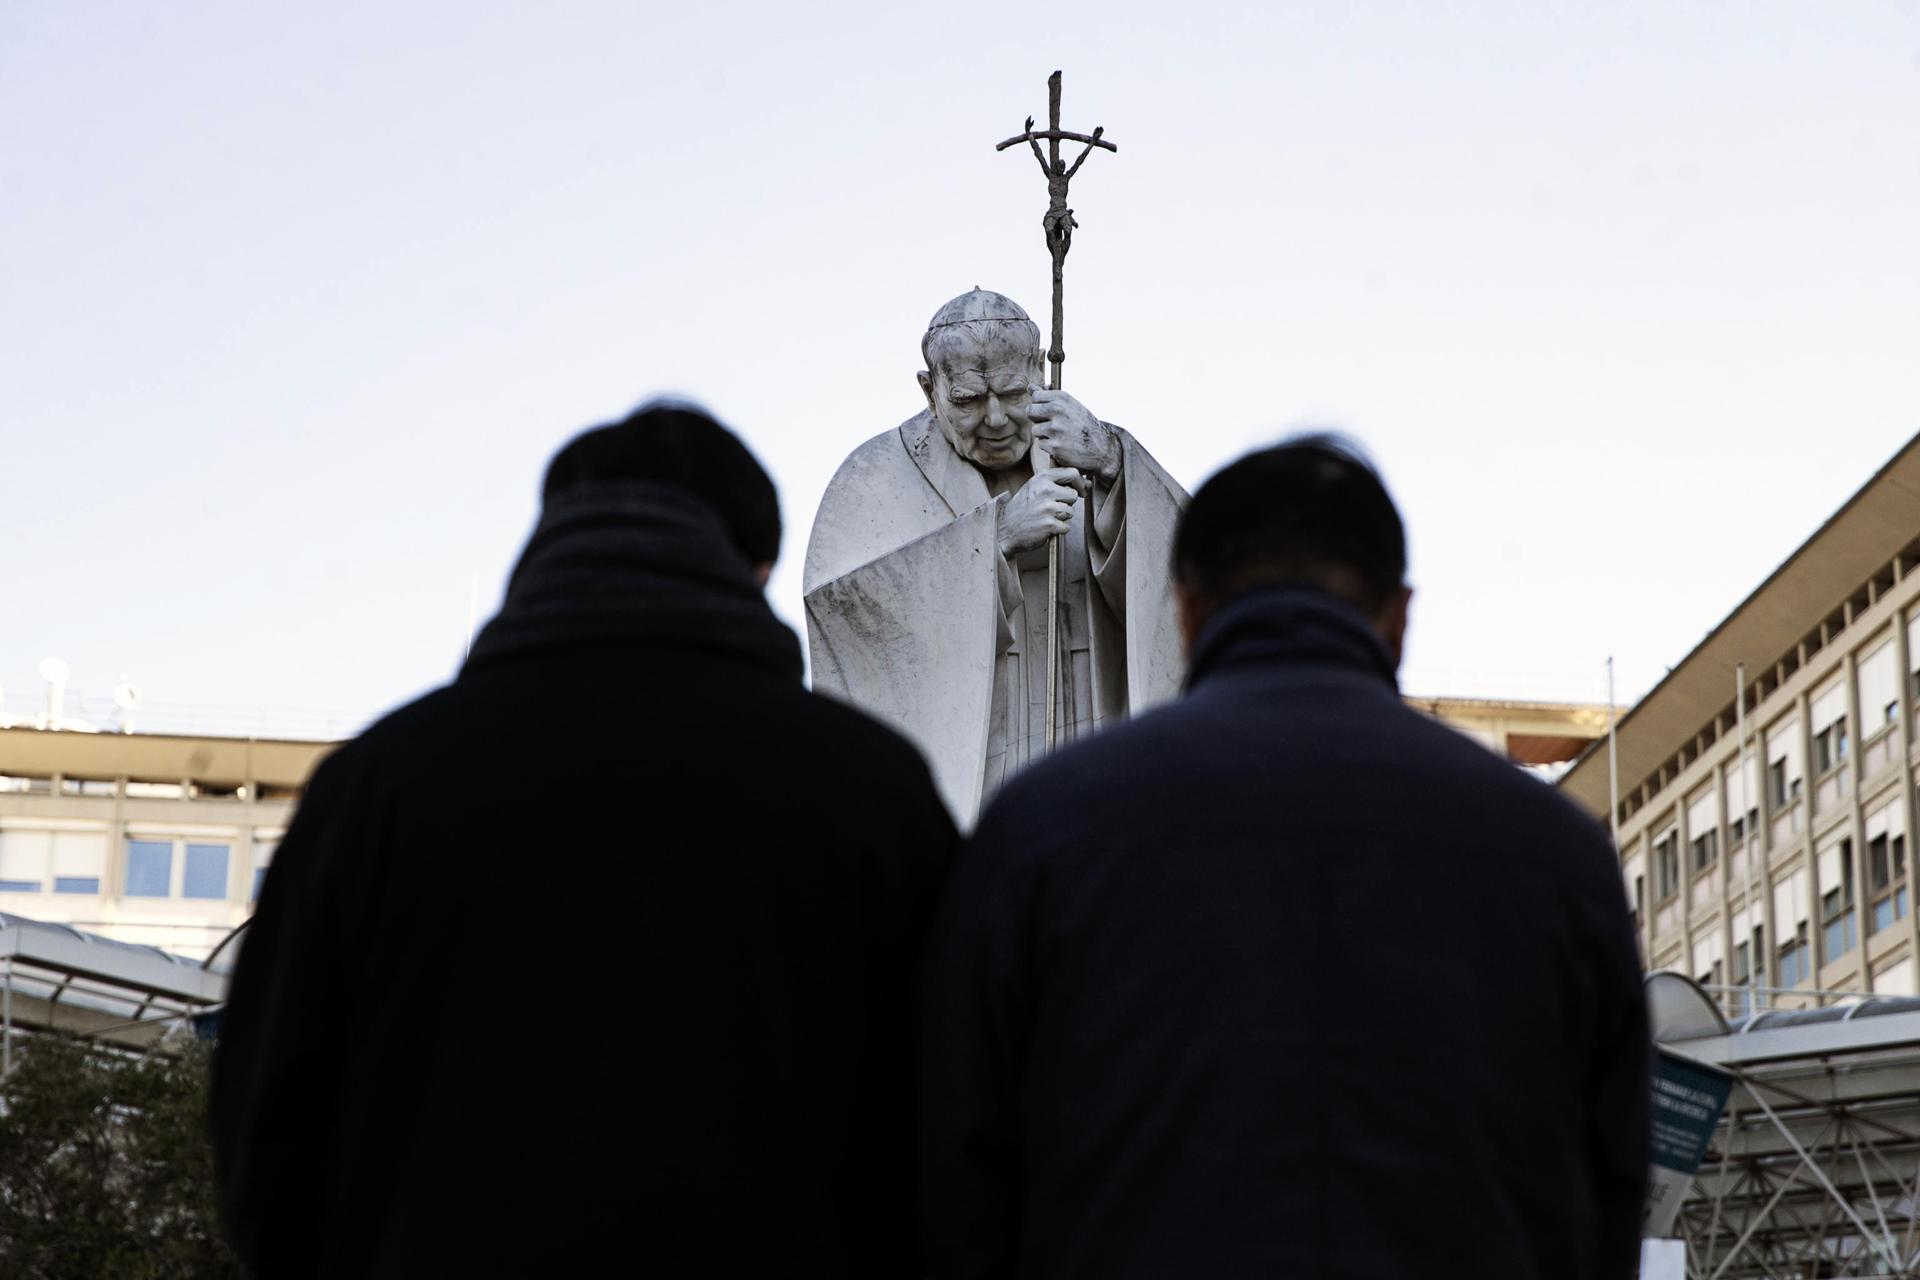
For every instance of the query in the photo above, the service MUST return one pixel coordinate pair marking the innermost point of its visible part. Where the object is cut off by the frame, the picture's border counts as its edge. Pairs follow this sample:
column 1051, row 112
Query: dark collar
column 635, row 563
column 1290, row 626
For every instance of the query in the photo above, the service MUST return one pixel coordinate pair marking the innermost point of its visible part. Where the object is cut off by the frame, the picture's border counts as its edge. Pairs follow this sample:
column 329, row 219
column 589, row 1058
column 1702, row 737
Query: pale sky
column 296, row 301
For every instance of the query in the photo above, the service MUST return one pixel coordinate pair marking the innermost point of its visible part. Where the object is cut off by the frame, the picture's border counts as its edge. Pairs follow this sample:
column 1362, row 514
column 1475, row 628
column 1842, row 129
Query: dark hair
column 1310, row 510
column 680, row 445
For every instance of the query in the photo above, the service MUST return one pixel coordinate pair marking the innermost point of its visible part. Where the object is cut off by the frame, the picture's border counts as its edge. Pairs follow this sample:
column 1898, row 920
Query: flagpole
column 1750, row 837
column 1613, row 765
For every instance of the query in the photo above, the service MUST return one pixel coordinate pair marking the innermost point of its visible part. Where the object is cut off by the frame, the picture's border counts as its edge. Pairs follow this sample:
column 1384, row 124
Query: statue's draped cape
column 904, row 596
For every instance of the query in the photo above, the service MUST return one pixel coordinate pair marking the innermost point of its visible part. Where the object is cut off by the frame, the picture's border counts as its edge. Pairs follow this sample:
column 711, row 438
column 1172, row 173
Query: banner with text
column 1688, row 1098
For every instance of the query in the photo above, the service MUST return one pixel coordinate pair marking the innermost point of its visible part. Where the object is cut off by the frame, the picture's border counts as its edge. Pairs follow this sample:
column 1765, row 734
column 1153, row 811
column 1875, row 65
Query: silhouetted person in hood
column 601, row 958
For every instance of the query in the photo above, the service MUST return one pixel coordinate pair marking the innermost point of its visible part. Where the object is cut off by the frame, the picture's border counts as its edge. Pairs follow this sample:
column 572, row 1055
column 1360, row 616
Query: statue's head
column 982, row 353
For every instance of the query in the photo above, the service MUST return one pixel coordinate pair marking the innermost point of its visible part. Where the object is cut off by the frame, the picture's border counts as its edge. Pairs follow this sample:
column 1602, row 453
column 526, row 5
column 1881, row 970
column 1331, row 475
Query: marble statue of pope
column 926, row 573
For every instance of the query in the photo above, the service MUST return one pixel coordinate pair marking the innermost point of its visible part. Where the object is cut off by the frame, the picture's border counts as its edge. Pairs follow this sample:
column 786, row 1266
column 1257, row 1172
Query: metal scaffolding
column 1814, row 1170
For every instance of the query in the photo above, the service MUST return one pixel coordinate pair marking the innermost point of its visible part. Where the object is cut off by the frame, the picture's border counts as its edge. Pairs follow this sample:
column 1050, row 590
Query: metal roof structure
column 1814, row 1170
column 54, row 978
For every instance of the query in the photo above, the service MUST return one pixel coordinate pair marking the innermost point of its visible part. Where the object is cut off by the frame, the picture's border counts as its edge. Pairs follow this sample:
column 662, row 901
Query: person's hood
column 641, row 563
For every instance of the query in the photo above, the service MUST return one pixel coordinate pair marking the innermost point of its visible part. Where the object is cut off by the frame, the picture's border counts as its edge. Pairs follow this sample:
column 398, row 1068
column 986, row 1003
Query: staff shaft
column 1059, row 228
column 1056, row 353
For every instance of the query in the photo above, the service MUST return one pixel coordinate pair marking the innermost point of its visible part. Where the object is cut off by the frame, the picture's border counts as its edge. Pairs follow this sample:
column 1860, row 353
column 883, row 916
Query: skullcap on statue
column 978, row 304
column 980, row 315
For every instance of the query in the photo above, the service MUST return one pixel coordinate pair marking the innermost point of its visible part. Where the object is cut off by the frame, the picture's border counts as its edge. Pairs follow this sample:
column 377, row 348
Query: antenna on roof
column 56, row 673
column 126, row 697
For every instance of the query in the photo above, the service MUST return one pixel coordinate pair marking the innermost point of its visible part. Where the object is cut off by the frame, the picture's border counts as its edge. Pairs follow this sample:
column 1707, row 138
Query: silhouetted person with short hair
column 600, row 959
column 1285, row 979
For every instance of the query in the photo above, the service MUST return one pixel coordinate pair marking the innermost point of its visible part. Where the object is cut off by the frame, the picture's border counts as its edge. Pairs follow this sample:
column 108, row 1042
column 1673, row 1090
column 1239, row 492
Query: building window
column 1780, row 791
column 149, row 868
column 1830, row 747
column 1887, row 866
column 1879, row 691
column 1703, row 829
column 1706, row 847
column 23, row 860
column 1666, row 866
column 1737, row 828
column 68, row 860
column 1913, row 657
column 1794, row 960
column 1786, row 766
column 1744, row 953
column 205, row 872
column 1741, row 784
column 1839, row 933
column 168, row 867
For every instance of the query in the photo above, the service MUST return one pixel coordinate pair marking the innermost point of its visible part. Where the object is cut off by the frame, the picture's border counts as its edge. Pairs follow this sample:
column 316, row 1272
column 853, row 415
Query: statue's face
column 979, row 398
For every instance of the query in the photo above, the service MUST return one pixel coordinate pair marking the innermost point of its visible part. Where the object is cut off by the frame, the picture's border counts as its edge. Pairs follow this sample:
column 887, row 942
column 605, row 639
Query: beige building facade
column 1783, row 859
column 163, row 839
column 143, row 838
column 1538, row 735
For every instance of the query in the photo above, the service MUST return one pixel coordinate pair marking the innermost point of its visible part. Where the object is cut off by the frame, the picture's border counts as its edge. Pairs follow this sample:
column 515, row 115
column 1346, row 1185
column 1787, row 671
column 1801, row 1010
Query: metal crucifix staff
column 1059, row 225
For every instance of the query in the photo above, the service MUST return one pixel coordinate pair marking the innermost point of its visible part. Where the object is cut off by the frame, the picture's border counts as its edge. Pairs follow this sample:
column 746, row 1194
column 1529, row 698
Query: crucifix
column 1058, row 224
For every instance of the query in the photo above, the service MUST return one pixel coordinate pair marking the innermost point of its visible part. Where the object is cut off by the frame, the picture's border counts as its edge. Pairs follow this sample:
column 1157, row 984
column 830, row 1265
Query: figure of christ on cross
column 1058, row 220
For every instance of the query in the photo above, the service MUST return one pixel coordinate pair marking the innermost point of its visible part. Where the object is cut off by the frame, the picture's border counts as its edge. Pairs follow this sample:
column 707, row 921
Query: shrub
column 105, row 1164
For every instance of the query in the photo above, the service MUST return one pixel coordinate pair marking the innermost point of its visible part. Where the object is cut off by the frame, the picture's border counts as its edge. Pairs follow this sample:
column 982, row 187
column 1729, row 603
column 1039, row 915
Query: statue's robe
column 915, row 617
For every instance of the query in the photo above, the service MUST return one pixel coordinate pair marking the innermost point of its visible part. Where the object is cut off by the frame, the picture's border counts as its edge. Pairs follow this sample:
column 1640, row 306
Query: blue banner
column 1688, row 1098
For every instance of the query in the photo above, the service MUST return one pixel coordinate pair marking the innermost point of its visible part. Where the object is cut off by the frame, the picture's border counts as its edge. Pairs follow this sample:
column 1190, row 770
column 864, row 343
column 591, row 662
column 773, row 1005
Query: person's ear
column 761, row 573
column 1193, row 613
column 926, row 385
column 1391, row 623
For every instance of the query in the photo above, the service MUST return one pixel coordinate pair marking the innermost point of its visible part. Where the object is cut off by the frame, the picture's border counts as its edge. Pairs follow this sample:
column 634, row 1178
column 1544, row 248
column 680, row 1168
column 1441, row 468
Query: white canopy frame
column 1814, row 1170
column 59, row 980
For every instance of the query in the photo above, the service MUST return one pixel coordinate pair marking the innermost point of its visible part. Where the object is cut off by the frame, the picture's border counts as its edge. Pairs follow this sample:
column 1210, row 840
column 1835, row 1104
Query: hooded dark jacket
column 1285, row 980
column 597, row 961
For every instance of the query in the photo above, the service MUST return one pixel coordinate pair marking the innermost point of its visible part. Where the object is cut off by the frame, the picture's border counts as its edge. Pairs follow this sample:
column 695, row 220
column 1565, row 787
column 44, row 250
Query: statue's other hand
column 1040, row 510
column 1071, row 435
